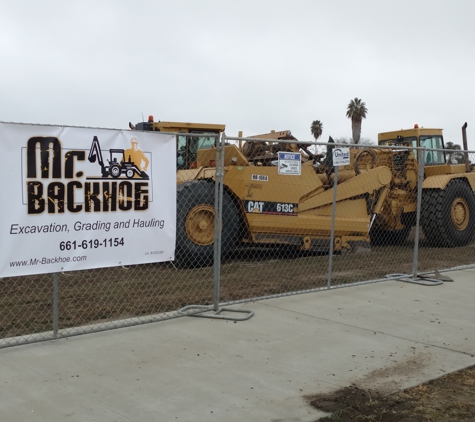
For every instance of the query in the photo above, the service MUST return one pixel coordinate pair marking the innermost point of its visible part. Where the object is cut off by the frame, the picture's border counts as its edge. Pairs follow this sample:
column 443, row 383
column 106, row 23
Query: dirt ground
column 105, row 295
column 450, row 398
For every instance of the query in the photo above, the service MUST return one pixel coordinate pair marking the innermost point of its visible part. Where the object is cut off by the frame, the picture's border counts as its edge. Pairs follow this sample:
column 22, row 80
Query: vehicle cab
column 193, row 138
column 418, row 137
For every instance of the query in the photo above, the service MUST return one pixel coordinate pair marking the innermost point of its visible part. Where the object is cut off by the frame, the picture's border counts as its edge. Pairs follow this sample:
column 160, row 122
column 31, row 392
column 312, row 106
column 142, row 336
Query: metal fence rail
column 229, row 251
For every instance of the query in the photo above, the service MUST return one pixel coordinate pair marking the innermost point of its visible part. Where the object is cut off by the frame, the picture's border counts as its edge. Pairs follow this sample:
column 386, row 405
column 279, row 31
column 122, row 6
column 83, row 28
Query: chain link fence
column 259, row 219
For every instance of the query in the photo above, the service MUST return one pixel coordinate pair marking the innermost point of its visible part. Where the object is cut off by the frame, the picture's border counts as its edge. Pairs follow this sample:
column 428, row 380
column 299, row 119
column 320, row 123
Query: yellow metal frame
column 185, row 127
column 405, row 133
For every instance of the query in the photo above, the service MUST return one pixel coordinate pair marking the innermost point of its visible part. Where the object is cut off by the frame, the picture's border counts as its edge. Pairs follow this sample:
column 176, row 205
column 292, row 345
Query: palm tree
column 316, row 129
column 356, row 111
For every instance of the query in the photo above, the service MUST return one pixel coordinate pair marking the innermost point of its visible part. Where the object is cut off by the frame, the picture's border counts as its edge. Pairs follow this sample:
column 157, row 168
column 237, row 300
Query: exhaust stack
column 465, row 147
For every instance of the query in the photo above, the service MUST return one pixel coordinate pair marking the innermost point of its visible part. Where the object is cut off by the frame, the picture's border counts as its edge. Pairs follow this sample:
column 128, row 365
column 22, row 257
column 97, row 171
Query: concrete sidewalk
column 387, row 335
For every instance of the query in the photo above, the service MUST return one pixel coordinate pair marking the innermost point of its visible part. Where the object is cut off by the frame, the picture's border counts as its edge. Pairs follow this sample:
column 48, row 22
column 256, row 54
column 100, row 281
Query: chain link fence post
column 218, row 217
column 332, row 230
column 420, row 181
column 55, row 304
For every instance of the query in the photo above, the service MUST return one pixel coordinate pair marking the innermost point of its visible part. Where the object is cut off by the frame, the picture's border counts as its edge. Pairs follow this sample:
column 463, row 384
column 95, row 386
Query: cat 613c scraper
column 265, row 202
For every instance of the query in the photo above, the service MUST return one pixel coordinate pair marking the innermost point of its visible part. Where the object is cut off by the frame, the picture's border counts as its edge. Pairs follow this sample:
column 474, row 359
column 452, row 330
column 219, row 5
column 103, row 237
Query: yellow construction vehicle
column 448, row 204
column 281, row 193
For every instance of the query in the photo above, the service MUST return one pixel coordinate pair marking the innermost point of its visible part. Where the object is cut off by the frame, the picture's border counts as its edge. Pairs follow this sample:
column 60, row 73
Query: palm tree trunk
column 356, row 129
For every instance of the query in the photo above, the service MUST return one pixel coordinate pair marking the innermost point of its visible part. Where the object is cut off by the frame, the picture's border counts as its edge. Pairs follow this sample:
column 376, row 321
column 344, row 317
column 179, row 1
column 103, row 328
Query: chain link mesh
column 447, row 211
column 275, row 238
column 27, row 307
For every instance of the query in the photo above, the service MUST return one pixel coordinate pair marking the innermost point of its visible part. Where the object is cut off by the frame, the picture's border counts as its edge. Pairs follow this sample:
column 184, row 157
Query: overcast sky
column 254, row 65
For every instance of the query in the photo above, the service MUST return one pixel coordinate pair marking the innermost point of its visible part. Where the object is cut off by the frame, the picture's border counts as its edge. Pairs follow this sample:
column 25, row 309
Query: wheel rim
column 199, row 225
column 115, row 171
column 460, row 214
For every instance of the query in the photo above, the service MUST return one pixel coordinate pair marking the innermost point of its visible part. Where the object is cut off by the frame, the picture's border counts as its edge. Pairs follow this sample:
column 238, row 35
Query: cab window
column 408, row 140
column 205, row 142
column 435, row 142
column 181, row 152
column 199, row 142
column 188, row 146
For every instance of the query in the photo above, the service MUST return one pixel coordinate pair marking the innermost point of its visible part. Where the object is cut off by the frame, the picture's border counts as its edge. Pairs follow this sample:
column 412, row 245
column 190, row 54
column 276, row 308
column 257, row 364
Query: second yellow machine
column 281, row 193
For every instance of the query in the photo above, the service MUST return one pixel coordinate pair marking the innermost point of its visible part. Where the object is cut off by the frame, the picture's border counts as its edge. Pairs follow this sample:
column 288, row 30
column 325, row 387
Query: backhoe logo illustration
column 131, row 163
column 53, row 184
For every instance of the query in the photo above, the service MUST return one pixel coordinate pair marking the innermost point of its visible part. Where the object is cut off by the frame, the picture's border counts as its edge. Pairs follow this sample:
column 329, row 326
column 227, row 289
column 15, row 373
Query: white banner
column 80, row 198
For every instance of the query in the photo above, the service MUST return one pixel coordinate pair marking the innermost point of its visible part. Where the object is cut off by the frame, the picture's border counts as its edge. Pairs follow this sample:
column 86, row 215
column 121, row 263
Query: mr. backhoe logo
column 56, row 185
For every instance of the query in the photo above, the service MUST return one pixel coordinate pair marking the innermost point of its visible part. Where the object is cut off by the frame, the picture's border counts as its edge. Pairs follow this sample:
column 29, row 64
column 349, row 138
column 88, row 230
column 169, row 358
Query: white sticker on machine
column 289, row 163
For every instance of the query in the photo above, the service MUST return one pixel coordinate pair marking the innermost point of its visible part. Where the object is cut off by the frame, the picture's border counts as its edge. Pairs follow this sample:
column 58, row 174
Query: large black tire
column 448, row 215
column 389, row 237
column 115, row 171
column 195, row 224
